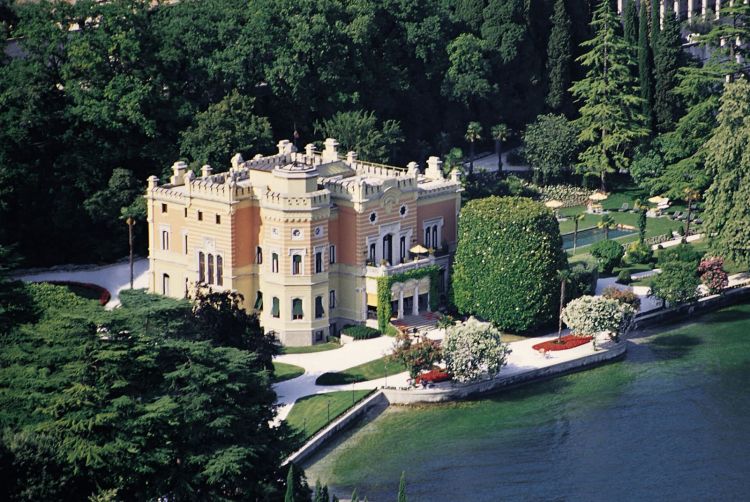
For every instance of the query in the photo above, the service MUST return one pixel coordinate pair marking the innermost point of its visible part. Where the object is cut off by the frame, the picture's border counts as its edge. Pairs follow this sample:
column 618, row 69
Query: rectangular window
column 332, row 299
column 259, row 255
column 318, row 262
column 201, row 267
column 210, row 268
column 165, row 284
column 163, row 208
column 435, row 242
column 402, row 248
column 319, row 336
column 165, row 240
column 185, row 244
column 275, row 307
column 319, row 312
column 297, row 313
column 200, row 215
column 219, row 270
column 185, row 212
column 372, row 253
column 296, row 264
column 332, row 254
column 274, row 262
column 218, row 219
column 259, row 302
column 427, row 237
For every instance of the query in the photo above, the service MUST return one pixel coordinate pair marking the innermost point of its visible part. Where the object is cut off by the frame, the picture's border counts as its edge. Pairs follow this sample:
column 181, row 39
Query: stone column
column 364, row 304
column 401, row 304
column 677, row 5
column 704, row 8
column 690, row 9
column 717, row 6
column 619, row 6
column 415, row 301
column 662, row 9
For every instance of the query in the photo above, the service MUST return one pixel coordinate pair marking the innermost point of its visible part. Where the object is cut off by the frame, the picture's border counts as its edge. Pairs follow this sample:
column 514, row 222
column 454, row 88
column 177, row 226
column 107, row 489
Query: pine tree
column 559, row 57
column 667, row 60
column 402, row 488
column 611, row 120
column 630, row 23
column 735, row 25
column 645, row 66
column 726, row 216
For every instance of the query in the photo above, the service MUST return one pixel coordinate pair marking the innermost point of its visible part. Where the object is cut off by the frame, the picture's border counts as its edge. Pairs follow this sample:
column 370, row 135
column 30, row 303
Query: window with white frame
column 275, row 262
column 165, row 240
column 219, row 270
column 433, row 233
column 297, row 313
column 259, row 255
column 297, row 264
column 210, row 265
column 201, row 267
column 319, row 261
column 165, row 284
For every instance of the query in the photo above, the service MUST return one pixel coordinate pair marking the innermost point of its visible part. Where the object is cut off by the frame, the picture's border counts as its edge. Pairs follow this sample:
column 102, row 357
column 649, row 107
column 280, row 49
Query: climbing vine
column 384, row 291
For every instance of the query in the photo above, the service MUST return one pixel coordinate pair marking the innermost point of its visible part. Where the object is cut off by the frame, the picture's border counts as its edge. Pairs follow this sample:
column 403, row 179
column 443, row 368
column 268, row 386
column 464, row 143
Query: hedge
column 359, row 332
column 505, row 270
column 384, row 291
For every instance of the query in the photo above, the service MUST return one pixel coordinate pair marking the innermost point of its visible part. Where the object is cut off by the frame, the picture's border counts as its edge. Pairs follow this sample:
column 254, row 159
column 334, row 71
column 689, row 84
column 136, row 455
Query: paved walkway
column 111, row 277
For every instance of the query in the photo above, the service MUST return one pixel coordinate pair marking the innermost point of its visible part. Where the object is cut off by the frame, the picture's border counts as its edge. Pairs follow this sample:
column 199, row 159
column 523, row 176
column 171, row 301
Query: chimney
column 434, row 169
column 206, row 171
column 330, row 153
column 153, row 182
column 412, row 168
column 178, row 173
column 285, row 146
column 237, row 161
column 456, row 176
column 310, row 150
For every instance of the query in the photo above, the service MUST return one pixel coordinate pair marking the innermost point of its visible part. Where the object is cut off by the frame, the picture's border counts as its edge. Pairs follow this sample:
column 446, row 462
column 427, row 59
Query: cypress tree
column 289, row 495
column 667, row 60
column 645, row 67
column 630, row 23
column 655, row 23
column 402, row 483
column 559, row 58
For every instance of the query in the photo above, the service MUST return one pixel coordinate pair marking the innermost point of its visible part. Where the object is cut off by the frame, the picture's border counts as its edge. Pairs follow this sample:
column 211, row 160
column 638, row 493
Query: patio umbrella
column 553, row 204
column 418, row 250
column 598, row 196
column 657, row 199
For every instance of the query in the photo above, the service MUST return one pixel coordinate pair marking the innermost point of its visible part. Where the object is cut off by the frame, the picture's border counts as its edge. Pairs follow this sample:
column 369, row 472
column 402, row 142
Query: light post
column 130, row 221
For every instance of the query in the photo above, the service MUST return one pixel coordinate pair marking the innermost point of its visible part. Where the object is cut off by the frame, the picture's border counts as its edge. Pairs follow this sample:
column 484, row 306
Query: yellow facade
column 300, row 235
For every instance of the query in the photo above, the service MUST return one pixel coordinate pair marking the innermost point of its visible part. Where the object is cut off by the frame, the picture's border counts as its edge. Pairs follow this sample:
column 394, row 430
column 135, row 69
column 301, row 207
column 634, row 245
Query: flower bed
column 433, row 376
column 567, row 342
column 85, row 290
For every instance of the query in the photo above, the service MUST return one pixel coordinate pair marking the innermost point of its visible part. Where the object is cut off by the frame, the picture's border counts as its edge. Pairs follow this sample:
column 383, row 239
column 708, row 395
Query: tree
column 607, row 223
column 320, row 493
column 500, row 133
column 550, row 144
column 591, row 315
column 402, row 488
column 611, row 120
column 645, row 63
column 577, row 219
column 16, row 305
column 712, row 274
column 668, row 57
column 296, row 486
column 678, row 281
column 473, row 134
column 721, row 37
column 473, row 349
column 726, row 218
column 359, row 131
column 642, row 221
column 467, row 79
column 559, row 58
column 564, row 277
column 289, row 493
column 454, row 159
column 225, row 128
column 609, row 255
column 505, row 269
column 630, row 24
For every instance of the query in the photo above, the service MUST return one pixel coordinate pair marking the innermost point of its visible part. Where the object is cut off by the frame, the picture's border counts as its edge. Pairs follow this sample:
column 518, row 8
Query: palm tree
column 500, row 134
column 131, row 215
column 607, row 223
column 576, row 220
column 473, row 134
column 691, row 195
column 564, row 277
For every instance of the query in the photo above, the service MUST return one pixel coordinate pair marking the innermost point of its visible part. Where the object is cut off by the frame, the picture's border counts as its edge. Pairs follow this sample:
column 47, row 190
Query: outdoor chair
column 624, row 207
column 698, row 221
column 676, row 215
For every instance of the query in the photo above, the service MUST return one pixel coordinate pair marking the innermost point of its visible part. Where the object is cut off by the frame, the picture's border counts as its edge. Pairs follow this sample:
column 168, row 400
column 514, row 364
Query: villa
column 304, row 237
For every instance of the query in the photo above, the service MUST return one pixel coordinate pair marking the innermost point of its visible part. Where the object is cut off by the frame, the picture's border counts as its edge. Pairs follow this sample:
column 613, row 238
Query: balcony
column 384, row 270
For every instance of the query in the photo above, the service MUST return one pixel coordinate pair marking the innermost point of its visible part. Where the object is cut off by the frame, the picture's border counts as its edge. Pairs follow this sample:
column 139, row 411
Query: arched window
column 274, row 262
column 427, row 237
column 165, row 284
column 165, row 240
column 435, row 241
column 296, row 264
column 275, row 307
column 201, row 267
column 372, row 253
column 259, row 255
column 319, row 262
column 297, row 313
column 402, row 248
column 210, row 268
column 219, row 270
column 319, row 311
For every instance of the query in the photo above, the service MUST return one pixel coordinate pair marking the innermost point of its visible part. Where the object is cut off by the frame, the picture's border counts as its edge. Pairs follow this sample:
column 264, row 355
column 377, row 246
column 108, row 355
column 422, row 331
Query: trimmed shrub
column 639, row 252
column 359, row 332
column 582, row 281
column 678, row 281
column 626, row 296
column 609, row 255
column 589, row 315
column 624, row 277
column 505, row 270
column 713, row 275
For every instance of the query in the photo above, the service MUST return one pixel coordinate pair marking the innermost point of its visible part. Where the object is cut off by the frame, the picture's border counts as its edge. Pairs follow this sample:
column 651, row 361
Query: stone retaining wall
column 502, row 382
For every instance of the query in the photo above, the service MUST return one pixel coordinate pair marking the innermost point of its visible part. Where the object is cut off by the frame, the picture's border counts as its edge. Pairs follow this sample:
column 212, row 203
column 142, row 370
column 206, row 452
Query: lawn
column 320, row 347
column 311, row 413
column 371, row 370
column 283, row 371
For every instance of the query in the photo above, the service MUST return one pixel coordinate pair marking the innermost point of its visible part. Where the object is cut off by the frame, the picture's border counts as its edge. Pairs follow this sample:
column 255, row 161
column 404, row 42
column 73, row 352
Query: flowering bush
column 589, row 315
column 416, row 354
column 713, row 275
column 435, row 375
column 566, row 342
column 473, row 349
column 626, row 296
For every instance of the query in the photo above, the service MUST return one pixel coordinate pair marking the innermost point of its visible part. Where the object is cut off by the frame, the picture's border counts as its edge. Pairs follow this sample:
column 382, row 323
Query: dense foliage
column 474, row 349
column 608, row 254
column 590, row 315
column 505, row 270
column 416, row 354
column 359, row 332
column 133, row 404
column 712, row 274
column 550, row 146
column 678, row 281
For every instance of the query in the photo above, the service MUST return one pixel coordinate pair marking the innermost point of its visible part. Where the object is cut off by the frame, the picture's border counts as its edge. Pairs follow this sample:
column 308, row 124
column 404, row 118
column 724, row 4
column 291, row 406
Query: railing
column 381, row 271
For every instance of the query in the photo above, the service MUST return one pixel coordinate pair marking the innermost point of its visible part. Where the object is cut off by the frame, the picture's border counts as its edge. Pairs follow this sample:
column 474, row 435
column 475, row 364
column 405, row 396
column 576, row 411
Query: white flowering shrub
column 473, row 349
column 589, row 315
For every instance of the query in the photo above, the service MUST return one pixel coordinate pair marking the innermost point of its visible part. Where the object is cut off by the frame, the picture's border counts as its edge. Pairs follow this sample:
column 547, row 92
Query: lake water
column 669, row 422
column 590, row 236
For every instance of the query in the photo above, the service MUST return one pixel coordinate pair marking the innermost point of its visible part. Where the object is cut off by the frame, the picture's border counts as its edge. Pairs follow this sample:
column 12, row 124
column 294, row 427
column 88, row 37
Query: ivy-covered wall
column 384, row 291
column 505, row 269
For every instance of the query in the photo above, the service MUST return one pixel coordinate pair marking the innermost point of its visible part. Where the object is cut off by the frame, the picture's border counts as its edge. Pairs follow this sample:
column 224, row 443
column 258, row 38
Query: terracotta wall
column 446, row 209
column 245, row 233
